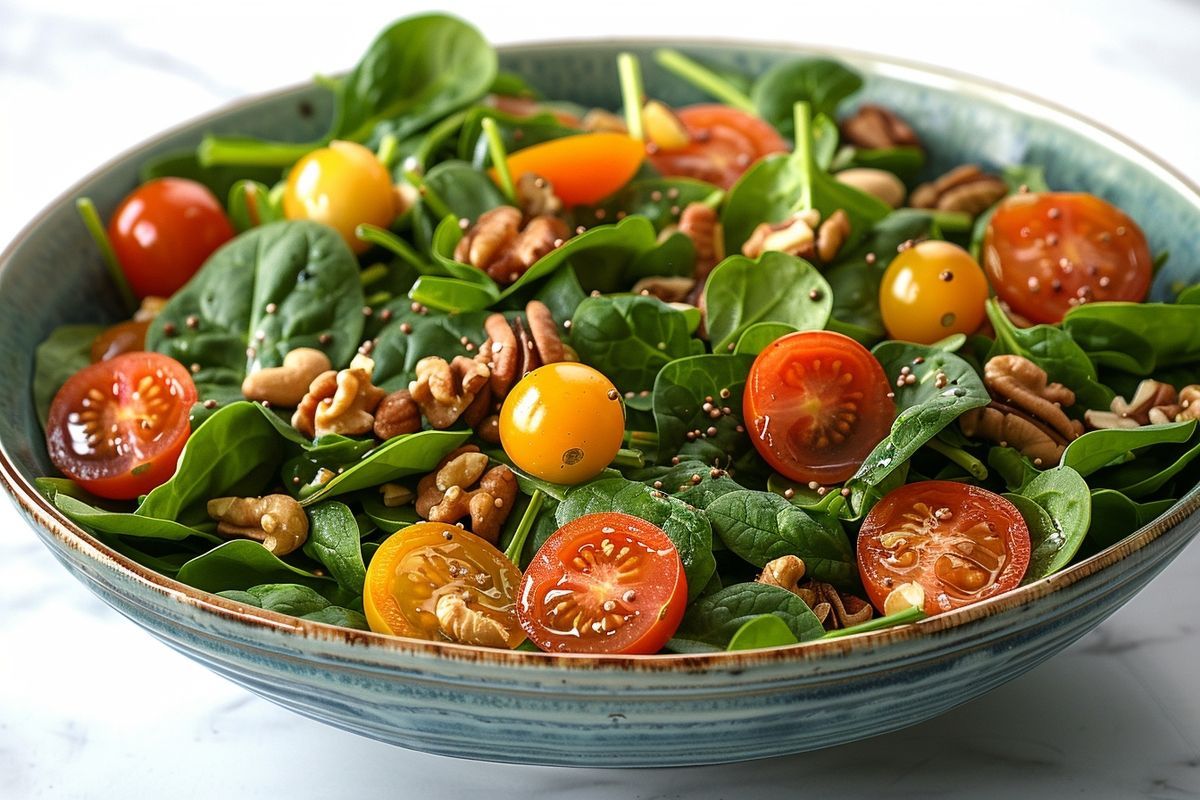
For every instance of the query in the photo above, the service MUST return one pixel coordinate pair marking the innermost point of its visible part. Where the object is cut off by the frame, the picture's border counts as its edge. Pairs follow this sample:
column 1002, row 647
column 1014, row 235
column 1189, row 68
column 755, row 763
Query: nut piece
column 904, row 597
column 445, row 495
column 835, row 609
column 150, row 308
column 286, row 386
column 1153, row 403
column 396, row 415
column 515, row 348
column 967, row 189
column 669, row 289
column 444, row 391
column 339, row 402
column 875, row 127
column 700, row 223
column 276, row 520
column 460, row 623
column 498, row 245
column 395, row 495
column 878, row 182
column 536, row 196
column 784, row 572
column 794, row 236
column 1189, row 403
column 598, row 119
column 832, row 235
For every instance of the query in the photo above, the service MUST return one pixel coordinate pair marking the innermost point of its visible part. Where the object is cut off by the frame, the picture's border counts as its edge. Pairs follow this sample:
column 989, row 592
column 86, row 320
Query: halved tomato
column 959, row 542
column 724, row 143
column 603, row 583
column 117, row 427
column 816, row 403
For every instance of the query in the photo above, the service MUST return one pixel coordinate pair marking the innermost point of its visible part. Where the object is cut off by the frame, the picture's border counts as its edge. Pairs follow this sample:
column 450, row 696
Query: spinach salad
column 486, row 367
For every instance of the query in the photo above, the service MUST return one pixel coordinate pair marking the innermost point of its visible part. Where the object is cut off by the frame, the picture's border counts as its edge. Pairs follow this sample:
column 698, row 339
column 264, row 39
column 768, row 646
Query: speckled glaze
column 651, row 711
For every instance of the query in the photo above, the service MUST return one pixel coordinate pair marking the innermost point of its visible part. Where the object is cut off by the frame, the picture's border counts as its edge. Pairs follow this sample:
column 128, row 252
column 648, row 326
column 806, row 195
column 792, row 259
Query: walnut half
column 446, row 494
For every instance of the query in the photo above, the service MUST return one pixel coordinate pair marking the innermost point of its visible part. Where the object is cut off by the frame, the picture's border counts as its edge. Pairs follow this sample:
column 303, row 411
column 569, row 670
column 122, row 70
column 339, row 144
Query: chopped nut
column 669, row 289
column 396, row 415
column 460, row 623
column 1189, row 403
column 967, row 189
column 339, row 402
column 276, row 520
column 536, row 196
column 285, row 386
column 444, row 391
column 597, row 119
column 700, row 223
column 395, row 495
column 784, row 572
column 501, row 247
column 832, row 235
column 877, row 182
column 904, row 597
column 544, row 331
column 149, row 309
column 1153, row 403
column 445, row 495
column 793, row 236
column 875, row 127
column 834, row 608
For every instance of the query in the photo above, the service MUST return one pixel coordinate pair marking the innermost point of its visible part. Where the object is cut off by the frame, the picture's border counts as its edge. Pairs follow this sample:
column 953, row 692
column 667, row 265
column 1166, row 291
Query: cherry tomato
column 815, row 404
column 1045, row 253
column 419, row 573
column 961, row 543
column 117, row 427
column 930, row 291
column 563, row 422
column 343, row 185
column 528, row 107
column 584, row 168
column 124, row 337
column 603, row 583
column 725, row 142
column 164, row 231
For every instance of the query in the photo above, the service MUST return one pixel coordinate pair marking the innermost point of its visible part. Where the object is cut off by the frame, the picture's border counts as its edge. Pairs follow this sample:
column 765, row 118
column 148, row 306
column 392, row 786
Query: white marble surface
column 92, row 707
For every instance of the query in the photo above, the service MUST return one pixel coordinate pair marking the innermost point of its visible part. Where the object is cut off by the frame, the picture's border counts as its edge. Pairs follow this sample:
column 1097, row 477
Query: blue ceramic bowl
column 616, row 711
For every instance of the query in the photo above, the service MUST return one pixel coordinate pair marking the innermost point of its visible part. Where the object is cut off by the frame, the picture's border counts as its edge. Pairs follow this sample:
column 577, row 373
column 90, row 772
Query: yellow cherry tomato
column 930, row 291
column 342, row 185
column 423, row 577
column 563, row 422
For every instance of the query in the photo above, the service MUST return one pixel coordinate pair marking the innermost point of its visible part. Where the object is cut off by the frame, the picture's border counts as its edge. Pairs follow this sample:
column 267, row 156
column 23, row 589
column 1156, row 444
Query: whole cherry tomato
column 164, row 231
column 724, row 143
column 603, row 583
column 959, row 542
column 930, row 291
column 117, row 427
column 124, row 337
column 584, row 168
column 1046, row 253
column 343, row 185
column 816, row 403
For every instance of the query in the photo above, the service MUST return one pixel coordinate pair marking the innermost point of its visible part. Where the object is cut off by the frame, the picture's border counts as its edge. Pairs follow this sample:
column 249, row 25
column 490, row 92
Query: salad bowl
column 661, row 710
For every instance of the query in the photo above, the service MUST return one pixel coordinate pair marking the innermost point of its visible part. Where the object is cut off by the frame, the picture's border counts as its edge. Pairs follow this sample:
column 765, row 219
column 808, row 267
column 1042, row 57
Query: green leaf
column 680, row 392
column 466, row 191
column 693, row 482
column 714, row 619
column 413, row 454
column 125, row 524
column 389, row 519
column 67, row 350
column 1096, row 449
column 286, row 598
column 1057, row 507
column 755, row 338
column 1115, row 516
column 659, row 200
column 1138, row 338
column 775, row 287
column 765, row 630
column 220, row 180
column 341, row 617
column 821, row 82
column 516, row 132
column 333, row 540
column 761, row 526
column 410, row 336
column 687, row 528
column 241, row 564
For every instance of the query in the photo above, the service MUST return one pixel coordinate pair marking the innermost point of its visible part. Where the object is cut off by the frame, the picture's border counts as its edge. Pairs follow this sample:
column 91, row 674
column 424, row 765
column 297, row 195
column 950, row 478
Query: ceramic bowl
column 616, row 711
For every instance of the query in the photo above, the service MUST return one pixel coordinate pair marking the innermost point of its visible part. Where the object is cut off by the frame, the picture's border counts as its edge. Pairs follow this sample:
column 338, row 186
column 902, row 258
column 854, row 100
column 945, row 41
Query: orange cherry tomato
column 930, row 291
column 563, row 422
column 816, row 403
column 343, row 185
column 583, row 169
column 1045, row 253
column 124, row 337
column 724, row 143
column 603, row 583
column 419, row 573
column 117, row 427
column 961, row 543
column 164, row 231
column 528, row 107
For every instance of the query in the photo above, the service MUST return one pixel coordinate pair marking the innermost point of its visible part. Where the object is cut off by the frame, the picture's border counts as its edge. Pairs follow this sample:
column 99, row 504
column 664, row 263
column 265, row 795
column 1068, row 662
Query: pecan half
column 700, row 223
column 499, row 245
column 536, row 196
column 396, row 415
column 967, row 189
column 515, row 348
column 876, row 127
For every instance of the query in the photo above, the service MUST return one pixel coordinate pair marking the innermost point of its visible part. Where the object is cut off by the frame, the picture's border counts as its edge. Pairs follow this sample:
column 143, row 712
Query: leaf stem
column 627, row 457
column 217, row 151
column 803, row 122
column 703, row 79
column 499, row 158
column 629, row 71
column 643, row 440
column 91, row 221
column 373, row 234
column 974, row 467
column 715, row 199
column 513, row 551
column 373, row 273
column 387, row 150
column 910, row 614
column 436, row 204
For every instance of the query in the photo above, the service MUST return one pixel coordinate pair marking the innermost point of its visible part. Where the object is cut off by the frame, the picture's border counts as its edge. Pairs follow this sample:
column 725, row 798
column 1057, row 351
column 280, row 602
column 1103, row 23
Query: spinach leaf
column 1013, row 468
column 285, row 598
column 713, row 620
column 693, row 482
column 630, row 338
column 765, row 630
column 1052, row 349
column 1136, row 337
column 125, row 524
column 1057, row 507
column 465, row 190
column 270, row 290
column 333, row 540
column 1148, row 472
column 66, row 351
column 756, row 337
column 410, row 336
column 516, row 132
column 924, row 409
column 775, row 287
column 241, row 563
column 220, row 180
column 1115, row 516
column 904, row 162
column 330, row 452
column 1096, row 449
column 388, row 519
column 658, row 199
column 761, row 526
column 680, row 392
column 821, row 82
column 687, row 528
column 341, row 617
column 413, row 454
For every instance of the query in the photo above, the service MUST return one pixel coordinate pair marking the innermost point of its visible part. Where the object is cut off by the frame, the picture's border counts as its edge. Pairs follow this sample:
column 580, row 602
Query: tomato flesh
column 1046, row 253
column 816, row 403
column 961, row 543
column 724, row 143
column 117, row 427
column 603, row 583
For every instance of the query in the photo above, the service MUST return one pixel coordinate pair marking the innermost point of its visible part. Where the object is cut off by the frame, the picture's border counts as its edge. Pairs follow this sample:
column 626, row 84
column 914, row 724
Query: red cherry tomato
column 725, row 142
column 1045, row 253
column 816, row 403
column 117, row 427
column 961, row 543
column 603, row 583
column 124, row 337
column 164, row 231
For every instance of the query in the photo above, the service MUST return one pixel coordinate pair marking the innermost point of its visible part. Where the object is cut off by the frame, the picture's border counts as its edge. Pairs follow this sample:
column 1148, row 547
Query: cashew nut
column 286, row 385
column 877, row 182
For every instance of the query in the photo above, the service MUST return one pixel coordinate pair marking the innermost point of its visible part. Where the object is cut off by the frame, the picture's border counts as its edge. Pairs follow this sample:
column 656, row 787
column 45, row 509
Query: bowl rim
column 366, row 643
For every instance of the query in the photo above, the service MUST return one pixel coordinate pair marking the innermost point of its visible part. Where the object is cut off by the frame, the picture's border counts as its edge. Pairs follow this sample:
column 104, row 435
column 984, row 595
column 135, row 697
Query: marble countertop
column 91, row 706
